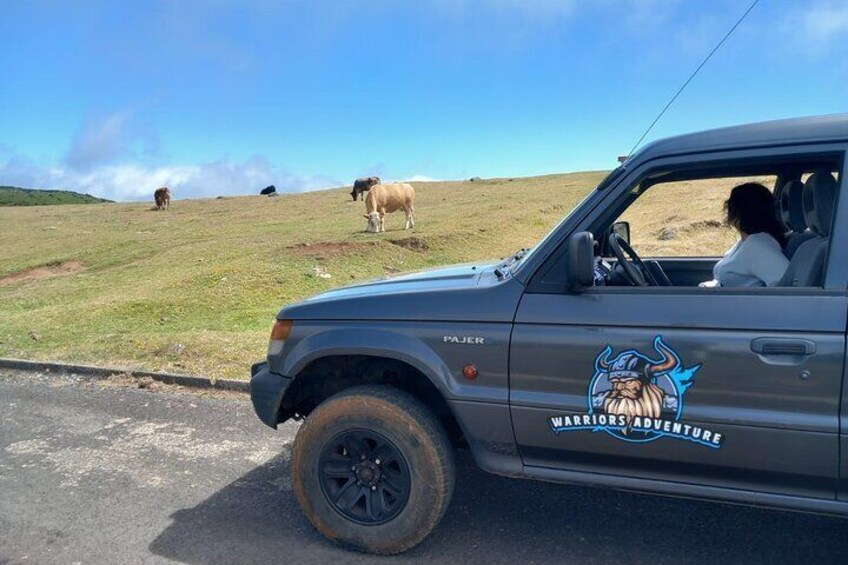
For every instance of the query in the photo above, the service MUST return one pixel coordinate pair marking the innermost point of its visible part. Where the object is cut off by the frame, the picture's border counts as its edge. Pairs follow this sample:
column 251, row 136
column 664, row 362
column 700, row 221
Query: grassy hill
column 14, row 196
column 195, row 289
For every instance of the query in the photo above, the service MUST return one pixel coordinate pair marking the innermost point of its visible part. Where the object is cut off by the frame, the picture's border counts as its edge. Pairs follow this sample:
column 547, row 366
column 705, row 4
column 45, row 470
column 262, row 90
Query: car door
column 687, row 271
column 745, row 384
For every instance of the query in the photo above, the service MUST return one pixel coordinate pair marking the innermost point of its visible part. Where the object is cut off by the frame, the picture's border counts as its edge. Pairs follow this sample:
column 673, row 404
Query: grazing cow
column 162, row 196
column 388, row 198
column 268, row 190
column 363, row 184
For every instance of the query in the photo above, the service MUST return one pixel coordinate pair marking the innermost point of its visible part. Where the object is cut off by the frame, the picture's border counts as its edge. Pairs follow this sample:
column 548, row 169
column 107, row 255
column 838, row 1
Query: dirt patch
column 133, row 381
column 148, row 383
column 44, row 272
column 328, row 249
column 411, row 243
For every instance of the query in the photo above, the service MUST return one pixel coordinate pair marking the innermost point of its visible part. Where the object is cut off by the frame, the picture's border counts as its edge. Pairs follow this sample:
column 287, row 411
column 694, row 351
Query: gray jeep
column 732, row 394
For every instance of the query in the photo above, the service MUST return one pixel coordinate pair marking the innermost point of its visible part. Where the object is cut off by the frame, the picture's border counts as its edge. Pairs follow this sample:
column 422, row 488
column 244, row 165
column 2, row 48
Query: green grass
column 195, row 289
column 14, row 196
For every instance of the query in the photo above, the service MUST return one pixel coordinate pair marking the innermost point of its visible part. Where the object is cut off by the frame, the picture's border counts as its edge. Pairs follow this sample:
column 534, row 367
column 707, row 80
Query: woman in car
column 757, row 259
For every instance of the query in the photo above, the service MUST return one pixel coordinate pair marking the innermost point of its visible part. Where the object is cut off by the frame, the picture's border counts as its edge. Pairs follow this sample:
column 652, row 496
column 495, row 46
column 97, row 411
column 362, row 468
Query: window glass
column 685, row 218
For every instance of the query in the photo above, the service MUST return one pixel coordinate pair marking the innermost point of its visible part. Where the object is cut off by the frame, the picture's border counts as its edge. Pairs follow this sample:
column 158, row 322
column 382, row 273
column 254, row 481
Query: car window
column 684, row 218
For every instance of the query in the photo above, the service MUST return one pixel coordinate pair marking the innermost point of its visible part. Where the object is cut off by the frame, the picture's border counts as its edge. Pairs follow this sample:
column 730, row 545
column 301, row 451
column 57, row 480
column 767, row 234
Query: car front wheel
column 373, row 469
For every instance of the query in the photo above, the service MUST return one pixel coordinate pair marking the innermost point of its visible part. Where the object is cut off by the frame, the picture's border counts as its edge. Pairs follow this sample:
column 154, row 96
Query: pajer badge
column 638, row 399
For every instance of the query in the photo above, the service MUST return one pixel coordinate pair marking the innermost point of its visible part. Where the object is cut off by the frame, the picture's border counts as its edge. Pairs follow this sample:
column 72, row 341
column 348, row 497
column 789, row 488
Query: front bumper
column 266, row 392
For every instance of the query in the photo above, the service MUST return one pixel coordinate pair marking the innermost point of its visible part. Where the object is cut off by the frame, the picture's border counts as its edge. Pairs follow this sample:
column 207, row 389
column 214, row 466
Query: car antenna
column 688, row 80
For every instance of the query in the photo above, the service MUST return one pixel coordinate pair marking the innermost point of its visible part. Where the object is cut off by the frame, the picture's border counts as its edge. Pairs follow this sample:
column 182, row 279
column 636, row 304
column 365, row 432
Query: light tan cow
column 384, row 199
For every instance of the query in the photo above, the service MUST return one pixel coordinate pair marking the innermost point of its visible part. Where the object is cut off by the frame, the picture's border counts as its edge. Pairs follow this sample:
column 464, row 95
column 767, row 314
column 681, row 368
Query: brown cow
column 162, row 196
column 363, row 184
column 388, row 198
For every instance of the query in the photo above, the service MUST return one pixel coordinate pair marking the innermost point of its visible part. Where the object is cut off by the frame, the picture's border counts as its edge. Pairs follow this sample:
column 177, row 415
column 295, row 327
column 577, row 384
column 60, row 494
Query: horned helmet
column 631, row 364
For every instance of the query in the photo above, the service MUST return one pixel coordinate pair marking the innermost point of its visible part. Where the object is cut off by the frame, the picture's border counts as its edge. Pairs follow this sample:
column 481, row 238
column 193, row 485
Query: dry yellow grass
column 195, row 289
column 684, row 219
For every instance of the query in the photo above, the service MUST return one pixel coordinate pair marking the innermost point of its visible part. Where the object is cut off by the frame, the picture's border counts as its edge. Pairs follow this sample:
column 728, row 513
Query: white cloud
column 137, row 182
column 819, row 25
column 635, row 14
column 98, row 141
column 419, row 178
column 105, row 139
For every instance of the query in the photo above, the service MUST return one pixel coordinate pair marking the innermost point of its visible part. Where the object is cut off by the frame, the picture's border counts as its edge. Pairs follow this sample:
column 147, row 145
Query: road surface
column 97, row 473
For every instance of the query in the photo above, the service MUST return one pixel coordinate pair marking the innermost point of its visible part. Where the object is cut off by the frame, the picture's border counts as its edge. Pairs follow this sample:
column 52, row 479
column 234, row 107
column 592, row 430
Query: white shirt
column 756, row 260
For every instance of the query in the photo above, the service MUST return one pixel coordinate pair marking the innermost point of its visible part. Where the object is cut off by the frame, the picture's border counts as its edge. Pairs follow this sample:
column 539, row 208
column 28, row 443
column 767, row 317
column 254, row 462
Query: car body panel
column 779, row 430
column 676, row 489
column 465, row 293
column 488, row 430
column 266, row 393
column 439, row 351
column 793, row 131
column 421, row 345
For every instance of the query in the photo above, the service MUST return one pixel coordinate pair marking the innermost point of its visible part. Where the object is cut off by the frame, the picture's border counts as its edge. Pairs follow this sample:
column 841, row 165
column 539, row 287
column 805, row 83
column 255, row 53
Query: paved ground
column 91, row 473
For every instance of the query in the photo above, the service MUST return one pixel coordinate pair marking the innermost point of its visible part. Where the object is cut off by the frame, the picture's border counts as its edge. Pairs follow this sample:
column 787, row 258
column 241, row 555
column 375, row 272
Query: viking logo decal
column 628, row 385
column 639, row 398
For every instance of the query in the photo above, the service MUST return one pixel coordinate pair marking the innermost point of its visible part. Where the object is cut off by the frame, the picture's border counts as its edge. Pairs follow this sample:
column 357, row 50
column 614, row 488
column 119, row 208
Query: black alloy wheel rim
column 364, row 477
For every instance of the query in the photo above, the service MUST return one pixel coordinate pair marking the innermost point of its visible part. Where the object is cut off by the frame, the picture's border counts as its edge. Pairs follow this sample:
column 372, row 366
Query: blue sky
column 217, row 97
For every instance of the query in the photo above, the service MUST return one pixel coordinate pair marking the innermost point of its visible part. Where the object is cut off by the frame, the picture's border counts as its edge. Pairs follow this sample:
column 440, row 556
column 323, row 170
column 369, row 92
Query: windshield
column 529, row 252
column 513, row 261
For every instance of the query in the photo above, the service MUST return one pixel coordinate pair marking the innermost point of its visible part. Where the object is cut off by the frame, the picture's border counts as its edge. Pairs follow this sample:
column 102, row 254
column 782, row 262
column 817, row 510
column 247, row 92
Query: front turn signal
column 281, row 330
column 279, row 333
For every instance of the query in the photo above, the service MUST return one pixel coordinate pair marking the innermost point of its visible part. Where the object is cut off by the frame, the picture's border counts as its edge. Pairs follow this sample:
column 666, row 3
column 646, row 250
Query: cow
column 363, row 184
column 388, row 198
column 268, row 190
column 162, row 196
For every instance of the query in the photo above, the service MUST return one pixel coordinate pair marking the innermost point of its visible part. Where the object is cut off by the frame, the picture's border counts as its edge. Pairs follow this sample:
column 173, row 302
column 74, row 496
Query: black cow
column 363, row 184
column 268, row 190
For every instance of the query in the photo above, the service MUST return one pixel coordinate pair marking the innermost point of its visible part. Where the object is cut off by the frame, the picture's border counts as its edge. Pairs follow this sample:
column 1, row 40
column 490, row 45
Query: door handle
column 783, row 346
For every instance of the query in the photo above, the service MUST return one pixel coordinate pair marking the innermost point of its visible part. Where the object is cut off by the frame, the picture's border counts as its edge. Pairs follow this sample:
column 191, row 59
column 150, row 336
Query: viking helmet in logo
column 629, row 383
column 634, row 365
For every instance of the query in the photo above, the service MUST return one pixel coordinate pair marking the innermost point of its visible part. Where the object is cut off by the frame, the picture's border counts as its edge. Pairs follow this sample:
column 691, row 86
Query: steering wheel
column 634, row 269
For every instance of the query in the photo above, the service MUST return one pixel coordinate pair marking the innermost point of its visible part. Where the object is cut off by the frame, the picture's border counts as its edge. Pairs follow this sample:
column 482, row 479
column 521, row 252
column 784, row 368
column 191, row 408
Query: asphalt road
column 94, row 473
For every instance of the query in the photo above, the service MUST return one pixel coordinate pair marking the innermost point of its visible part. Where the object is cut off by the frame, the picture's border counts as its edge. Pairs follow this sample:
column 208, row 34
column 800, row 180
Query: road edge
column 106, row 372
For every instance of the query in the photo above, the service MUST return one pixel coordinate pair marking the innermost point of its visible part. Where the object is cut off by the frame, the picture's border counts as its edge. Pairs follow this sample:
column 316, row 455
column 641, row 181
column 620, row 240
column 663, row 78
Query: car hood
column 454, row 276
column 434, row 294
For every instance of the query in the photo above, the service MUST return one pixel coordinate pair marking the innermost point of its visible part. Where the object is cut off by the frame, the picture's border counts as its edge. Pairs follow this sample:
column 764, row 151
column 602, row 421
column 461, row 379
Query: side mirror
column 622, row 229
column 581, row 260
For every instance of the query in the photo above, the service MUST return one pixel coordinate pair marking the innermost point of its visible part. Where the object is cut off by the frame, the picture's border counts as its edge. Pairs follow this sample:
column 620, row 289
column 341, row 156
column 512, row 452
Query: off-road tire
column 417, row 435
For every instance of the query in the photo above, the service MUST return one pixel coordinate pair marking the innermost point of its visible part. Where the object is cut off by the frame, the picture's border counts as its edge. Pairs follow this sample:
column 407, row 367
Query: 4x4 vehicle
column 733, row 394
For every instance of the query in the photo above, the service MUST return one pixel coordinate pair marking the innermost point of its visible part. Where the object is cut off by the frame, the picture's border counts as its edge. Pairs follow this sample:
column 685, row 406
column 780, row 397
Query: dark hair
column 750, row 209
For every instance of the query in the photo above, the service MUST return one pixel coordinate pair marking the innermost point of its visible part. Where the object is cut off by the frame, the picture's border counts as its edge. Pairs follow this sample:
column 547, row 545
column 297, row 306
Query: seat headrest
column 819, row 197
column 792, row 206
column 778, row 204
